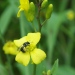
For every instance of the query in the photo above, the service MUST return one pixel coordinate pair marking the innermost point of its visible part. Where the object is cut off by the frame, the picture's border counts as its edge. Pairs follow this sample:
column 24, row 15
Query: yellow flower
column 10, row 48
column 70, row 15
column 24, row 5
column 29, row 51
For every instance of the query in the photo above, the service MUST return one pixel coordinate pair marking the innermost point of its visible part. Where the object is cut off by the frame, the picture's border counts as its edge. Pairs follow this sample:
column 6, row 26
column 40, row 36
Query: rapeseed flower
column 10, row 48
column 24, row 6
column 32, row 53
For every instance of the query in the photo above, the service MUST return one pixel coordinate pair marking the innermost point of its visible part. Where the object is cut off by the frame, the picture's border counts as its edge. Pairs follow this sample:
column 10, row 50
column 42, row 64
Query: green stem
column 40, row 25
column 38, row 19
column 34, row 27
column 8, row 58
column 38, row 16
column 34, row 72
column 44, row 22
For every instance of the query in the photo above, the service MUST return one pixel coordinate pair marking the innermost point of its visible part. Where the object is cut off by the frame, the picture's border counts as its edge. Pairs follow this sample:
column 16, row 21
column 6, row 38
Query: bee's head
column 26, row 44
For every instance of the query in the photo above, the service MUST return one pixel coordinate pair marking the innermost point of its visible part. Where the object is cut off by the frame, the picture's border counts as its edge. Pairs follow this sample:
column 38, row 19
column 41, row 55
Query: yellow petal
column 34, row 37
column 19, row 42
column 23, row 58
column 37, row 55
column 10, row 48
column 18, row 14
column 24, row 4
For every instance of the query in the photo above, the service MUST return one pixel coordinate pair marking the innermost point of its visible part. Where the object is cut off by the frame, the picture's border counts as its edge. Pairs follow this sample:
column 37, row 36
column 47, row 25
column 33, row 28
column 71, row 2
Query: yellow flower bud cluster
column 28, row 8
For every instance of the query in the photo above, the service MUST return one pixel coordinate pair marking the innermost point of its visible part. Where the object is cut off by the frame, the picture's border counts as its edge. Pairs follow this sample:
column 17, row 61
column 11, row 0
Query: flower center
column 27, row 47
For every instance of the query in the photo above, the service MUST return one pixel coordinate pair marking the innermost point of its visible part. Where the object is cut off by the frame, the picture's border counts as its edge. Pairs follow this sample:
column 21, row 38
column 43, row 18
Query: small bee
column 22, row 48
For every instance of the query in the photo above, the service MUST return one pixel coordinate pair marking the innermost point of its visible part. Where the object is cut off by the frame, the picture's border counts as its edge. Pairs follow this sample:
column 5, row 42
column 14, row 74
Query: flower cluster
column 27, row 49
column 29, row 9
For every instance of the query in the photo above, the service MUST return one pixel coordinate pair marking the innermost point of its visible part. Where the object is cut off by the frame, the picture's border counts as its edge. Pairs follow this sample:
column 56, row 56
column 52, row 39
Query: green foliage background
column 58, row 38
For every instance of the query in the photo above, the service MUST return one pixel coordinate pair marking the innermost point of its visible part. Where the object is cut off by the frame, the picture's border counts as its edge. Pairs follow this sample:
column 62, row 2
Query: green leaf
column 55, row 67
column 53, row 25
column 25, row 26
column 3, row 70
column 14, row 5
column 63, row 5
column 40, row 68
column 24, row 70
column 5, row 19
column 65, row 70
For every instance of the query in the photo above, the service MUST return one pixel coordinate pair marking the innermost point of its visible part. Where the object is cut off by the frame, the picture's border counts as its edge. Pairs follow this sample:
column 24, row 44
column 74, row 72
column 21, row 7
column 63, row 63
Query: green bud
column 49, row 11
column 31, row 12
column 44, row 3
column 44, row 73
column 48, row 72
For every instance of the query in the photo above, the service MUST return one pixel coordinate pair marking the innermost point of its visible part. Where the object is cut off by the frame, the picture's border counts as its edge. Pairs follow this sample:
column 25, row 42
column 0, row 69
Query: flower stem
column 33, row 27
column 34, row 72
column 38, row 15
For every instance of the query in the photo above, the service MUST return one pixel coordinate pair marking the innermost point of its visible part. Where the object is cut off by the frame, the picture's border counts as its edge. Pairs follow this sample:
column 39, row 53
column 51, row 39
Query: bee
column 23, row 47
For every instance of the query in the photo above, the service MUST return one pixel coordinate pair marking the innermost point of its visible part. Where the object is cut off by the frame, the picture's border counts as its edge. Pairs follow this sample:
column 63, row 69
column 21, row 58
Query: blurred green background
column 58, row 37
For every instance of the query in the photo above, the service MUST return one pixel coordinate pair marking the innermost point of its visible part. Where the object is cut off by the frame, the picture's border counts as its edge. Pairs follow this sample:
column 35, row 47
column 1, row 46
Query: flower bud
column 44, row 3
column 70, row 15
column 48, row 72
column 31, row 13
column 44, row 73
column 49, row 11
column 10, row 48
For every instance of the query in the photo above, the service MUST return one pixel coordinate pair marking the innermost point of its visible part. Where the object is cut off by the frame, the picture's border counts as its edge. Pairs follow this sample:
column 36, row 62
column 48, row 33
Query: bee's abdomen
column 22, row 49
